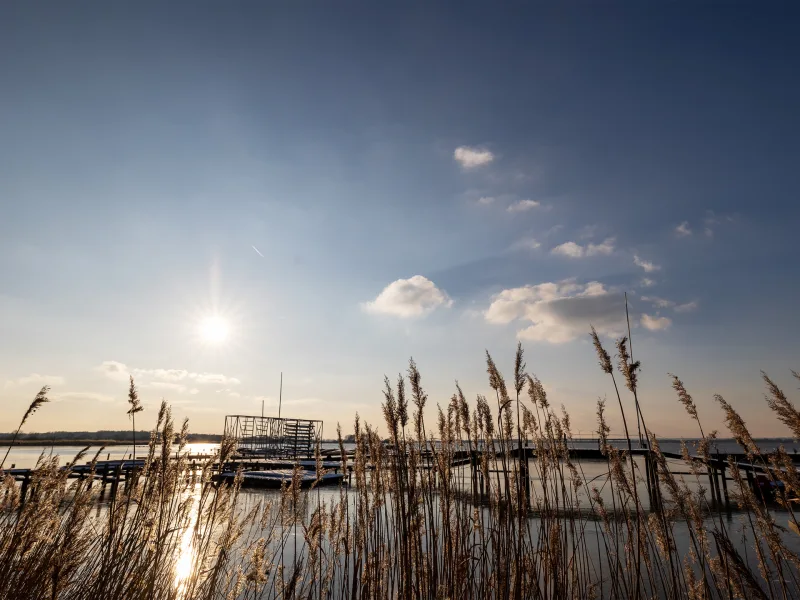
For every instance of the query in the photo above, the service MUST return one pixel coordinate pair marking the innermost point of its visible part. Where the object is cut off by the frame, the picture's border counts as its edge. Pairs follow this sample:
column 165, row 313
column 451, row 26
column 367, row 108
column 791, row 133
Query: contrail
column 258, row 251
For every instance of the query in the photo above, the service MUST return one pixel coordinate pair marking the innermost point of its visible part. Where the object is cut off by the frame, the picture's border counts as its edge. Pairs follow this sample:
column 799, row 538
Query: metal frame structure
column 273, row 437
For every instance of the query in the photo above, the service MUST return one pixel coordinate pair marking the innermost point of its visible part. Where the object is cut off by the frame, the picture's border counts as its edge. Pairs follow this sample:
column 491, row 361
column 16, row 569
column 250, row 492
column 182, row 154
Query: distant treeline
column 105, row 436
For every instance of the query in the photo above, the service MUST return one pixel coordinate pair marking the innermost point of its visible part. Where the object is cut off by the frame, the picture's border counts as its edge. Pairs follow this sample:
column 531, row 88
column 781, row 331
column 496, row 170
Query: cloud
column 655, row 323
column 406, row 298
column 659, row 302
column 712, row 219
column 90, row 396
column 683, row 230
column 523, row 205
column 486, row 200
column 573, row 250
column 664, row 303
column 559, row 312
column 647, row 282
column 39, row 380
column 121, row 372
column 688, row 307
column 648, row 266
column 169, row 386
column 470, row 157
column 527, row 243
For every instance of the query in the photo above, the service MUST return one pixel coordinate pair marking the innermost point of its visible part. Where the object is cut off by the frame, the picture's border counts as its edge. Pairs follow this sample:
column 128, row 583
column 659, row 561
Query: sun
column 214, row 329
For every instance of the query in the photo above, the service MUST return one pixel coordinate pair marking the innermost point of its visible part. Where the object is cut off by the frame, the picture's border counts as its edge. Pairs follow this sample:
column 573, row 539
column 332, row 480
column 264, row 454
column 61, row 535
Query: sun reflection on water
column 185, row 562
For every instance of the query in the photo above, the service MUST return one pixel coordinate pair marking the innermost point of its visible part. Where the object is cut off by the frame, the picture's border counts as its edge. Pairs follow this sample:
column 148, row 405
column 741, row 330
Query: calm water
column 26, row 456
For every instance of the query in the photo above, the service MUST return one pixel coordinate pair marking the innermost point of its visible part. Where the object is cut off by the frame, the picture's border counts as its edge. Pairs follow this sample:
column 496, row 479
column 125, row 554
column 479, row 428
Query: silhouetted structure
column 273, row 437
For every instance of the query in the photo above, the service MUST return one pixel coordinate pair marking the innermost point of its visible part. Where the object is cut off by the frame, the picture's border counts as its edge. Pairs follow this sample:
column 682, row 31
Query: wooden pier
column 761, row 477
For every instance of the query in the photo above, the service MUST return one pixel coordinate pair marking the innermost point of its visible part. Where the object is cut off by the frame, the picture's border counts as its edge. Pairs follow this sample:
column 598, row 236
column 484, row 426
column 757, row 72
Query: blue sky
column 347, row 186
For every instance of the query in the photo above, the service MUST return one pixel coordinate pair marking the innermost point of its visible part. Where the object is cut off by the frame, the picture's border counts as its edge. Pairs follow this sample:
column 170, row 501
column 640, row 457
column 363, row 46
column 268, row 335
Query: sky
column 207, row 195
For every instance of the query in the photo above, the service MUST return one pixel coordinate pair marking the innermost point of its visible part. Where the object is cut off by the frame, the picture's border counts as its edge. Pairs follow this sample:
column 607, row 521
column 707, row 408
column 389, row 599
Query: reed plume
column 40, row 399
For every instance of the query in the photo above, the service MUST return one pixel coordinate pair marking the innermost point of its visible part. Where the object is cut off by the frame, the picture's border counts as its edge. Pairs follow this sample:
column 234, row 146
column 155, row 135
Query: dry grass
column 413, row 525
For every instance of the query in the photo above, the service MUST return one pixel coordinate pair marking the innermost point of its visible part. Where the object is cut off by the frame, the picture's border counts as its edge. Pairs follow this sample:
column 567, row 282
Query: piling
column 24, row 490
column 710, row 471
column 717, row 487
column 725, row 484
column 115, row 480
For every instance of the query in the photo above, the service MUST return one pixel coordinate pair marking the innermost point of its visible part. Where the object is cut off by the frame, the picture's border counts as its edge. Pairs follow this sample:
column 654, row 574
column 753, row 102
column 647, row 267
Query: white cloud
column 149, row 377
column 559, row 312
column 114, row 370
column 688, row 307
column 648, row 266
column 523, row 205
column 709, row 232
column 412, row 297
column 607, row 247
column 486, row 200
column 570, row 249
column 35, row 378
column 647, row 282
column 683, row 230
column 655, row 323
column 573, row 250
column 470, row 157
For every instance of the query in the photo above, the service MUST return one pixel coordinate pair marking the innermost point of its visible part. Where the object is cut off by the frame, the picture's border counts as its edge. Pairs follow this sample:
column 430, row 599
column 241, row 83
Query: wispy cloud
column 37, row 379
column 655, row 323
column 712, row 220
column 486, row 200
column 523, row 205
column 257, row 251
column 82, row 396
column 659, row 302
column 470, row 157
column 646, row 282
column 687, row 307
column 648, row 266
column 665, row 303
column 407, row 298
column 683, row 230
column 162, row 377
column 574, row 250
column 526, row 243
column 559, row 312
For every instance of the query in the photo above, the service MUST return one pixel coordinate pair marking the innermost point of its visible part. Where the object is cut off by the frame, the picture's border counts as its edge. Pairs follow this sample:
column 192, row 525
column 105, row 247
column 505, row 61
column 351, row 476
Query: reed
column 416, row 523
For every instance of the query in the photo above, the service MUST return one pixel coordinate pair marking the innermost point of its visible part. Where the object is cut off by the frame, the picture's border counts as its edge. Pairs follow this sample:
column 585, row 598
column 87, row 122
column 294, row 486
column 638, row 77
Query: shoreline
column 85, row 442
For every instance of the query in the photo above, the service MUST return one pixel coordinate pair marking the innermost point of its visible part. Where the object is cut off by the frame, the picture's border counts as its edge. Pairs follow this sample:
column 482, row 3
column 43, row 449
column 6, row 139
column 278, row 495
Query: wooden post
column 115, row 480
column 649, row 478
column 716, row 487
column 24, row 490
column 725, row 485
column 710, row 471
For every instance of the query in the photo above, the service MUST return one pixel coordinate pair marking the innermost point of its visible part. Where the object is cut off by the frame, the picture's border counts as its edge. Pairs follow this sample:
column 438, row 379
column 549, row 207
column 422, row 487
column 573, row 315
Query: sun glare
column 214, row 329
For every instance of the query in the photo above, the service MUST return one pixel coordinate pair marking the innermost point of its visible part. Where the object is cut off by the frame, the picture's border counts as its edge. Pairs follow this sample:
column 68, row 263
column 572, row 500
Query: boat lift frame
column 273, row 437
